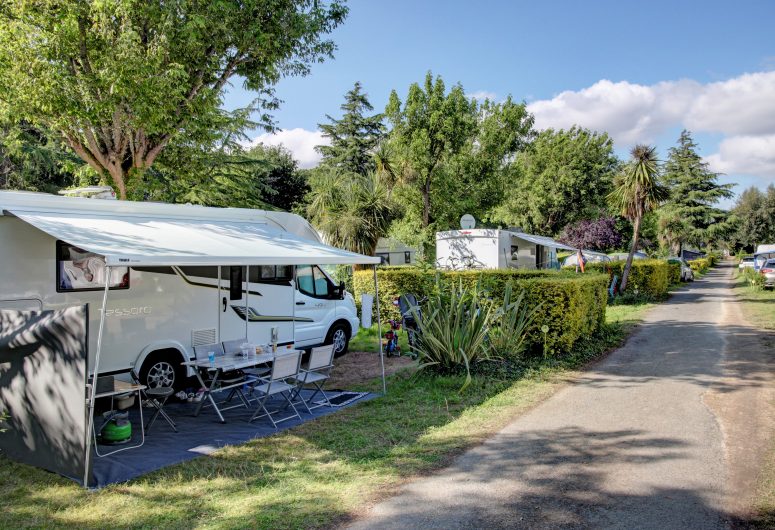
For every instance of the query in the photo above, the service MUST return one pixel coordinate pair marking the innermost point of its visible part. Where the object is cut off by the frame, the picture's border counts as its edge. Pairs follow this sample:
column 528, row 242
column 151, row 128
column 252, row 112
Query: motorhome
column 487, row 248
column 155, row 315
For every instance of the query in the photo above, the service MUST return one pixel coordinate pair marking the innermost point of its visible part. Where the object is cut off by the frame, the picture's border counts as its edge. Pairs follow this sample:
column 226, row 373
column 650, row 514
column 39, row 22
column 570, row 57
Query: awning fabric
column 541, row 240
column 134, row 240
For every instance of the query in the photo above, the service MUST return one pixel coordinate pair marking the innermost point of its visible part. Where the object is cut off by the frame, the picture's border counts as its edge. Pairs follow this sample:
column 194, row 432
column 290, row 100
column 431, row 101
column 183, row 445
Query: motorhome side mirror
column 341, row 290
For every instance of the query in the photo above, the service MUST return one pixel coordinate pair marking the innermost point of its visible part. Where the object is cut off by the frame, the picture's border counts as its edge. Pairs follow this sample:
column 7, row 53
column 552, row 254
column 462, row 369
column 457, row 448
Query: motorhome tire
column 339, row 336
column 162, row 369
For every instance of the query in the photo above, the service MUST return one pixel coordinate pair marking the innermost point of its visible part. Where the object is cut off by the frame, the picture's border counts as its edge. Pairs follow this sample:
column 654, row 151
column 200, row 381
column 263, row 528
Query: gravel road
column 666, row 432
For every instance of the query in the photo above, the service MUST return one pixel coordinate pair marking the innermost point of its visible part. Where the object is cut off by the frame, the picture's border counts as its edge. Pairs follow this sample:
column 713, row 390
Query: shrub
column 453, row 331
column 648, row 277
column 700, row 265
column 673, row 272
column 511, row 321
column 754, row 279
column 572, row 305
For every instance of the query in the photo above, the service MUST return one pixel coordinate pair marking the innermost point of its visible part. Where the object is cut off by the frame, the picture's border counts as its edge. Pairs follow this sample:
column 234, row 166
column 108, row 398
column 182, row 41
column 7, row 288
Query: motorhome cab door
column 315, row 307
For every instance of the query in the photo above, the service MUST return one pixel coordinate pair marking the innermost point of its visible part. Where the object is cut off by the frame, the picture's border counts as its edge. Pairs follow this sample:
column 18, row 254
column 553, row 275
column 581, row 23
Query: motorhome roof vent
column 200, row 337
column 91, row 192
column 517, row 229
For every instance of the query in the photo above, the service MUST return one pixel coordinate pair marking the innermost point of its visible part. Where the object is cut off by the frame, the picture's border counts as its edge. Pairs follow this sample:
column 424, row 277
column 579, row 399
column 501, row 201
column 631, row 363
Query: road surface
column 666, row 432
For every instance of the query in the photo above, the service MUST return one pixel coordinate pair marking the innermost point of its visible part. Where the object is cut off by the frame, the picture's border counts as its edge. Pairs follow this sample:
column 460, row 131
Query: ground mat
column 196, row 436
column 343, row 398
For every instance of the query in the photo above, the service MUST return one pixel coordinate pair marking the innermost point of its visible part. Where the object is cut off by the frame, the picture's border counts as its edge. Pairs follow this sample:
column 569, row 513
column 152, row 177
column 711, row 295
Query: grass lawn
column 313, row 475
column 759, row 310
column 627, row 315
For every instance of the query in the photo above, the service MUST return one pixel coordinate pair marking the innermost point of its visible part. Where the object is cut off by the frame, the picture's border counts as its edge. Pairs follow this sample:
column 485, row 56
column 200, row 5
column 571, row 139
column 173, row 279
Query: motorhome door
column 232, row 303
column 313, row 299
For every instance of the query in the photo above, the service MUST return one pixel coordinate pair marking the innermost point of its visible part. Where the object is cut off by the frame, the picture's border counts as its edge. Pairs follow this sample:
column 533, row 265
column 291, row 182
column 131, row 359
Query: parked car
column 746, row 262
column 768, row 272
column 687, row 274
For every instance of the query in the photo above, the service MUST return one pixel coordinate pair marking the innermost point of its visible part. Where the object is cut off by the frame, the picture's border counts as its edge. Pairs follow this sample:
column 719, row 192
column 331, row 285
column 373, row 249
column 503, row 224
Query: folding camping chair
column 285, row 366
column 316, row 373
column 158, row 398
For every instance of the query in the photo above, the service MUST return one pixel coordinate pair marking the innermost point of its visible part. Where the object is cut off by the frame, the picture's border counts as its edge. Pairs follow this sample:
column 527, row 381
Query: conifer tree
column 354, row 137
column 694, row 193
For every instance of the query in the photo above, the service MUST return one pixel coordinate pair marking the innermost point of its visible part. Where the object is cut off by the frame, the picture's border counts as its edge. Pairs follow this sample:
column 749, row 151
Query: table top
column 237, row 361
column 120, row 387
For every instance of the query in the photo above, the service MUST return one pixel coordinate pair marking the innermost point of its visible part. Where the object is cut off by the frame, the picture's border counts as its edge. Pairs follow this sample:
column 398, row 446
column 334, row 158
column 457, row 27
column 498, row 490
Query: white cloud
column 742, row 109
column 745, row 155
column 481, row 95
column 300, row 142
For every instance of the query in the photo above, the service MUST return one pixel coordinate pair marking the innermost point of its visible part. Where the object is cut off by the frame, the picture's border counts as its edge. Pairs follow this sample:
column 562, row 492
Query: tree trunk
column 426, row 202
column 628, row 265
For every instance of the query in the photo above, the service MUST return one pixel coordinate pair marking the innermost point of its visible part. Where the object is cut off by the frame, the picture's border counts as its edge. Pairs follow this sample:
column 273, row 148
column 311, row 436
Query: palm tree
column 351, row 211
column 637, row 191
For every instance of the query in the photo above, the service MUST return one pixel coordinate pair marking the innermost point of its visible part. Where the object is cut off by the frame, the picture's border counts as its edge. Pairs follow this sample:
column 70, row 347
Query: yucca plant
column 508, row 332
column 454, row 331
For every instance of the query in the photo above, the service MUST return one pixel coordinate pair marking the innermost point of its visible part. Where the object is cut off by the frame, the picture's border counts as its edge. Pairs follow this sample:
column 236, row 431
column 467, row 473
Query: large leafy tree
column 120, row 80
column 451, row 154
column 754, row 217
column 690, row 215
column 563, row 177
column 637, row 191
column 354, row 137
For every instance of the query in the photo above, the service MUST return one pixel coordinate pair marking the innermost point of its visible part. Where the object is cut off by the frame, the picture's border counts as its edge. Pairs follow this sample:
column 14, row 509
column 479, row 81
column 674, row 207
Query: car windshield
column 747, row 260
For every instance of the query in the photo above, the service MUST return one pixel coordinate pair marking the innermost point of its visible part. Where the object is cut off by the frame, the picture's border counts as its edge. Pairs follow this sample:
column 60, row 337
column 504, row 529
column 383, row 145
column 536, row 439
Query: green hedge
column 701, row 265
column 673, row 273
column 650, row 277
column 573, row 305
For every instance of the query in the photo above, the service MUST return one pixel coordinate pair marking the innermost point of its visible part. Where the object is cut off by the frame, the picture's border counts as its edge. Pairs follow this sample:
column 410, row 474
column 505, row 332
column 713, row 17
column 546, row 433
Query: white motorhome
column 487, row 248
column 156, row 314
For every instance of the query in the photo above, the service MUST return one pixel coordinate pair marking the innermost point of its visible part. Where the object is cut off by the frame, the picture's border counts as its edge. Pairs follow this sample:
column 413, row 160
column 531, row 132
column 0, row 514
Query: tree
column 564, row 176
column 352, row 211
column 430, row 128
column 690, row 215
column 121, row 80
column 596, row 234
column 451, row 154
column 354, row 137
column 286, row 186
column 637, row 190
column 754, row 216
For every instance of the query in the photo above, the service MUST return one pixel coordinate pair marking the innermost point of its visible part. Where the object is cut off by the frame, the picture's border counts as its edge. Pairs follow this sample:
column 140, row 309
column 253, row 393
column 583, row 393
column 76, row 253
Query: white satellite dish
column 467, row 222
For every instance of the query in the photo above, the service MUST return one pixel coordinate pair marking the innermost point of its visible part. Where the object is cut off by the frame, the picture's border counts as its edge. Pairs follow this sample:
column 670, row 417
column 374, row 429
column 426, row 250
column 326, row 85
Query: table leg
column 207, row 391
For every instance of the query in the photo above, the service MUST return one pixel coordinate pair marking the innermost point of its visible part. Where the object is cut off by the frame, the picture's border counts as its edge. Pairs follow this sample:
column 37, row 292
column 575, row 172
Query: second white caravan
column 156, row 315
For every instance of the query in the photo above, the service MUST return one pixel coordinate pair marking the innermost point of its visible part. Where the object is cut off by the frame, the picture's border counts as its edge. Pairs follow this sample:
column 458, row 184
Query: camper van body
column 156, row 315
column 486, row 248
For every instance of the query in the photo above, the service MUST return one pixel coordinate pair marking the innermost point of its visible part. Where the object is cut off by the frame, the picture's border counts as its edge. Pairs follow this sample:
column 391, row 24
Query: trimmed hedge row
column 572, row 305
column 673, row 273
column 650, row 277
column 701, row 265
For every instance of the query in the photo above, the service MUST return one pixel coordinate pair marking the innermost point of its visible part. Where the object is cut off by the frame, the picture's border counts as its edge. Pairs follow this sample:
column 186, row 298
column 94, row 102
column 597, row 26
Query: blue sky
column 640, row 71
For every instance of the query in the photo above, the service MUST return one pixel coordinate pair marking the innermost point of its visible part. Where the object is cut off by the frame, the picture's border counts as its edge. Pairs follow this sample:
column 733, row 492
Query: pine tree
column 353, row 137
column 694, row 192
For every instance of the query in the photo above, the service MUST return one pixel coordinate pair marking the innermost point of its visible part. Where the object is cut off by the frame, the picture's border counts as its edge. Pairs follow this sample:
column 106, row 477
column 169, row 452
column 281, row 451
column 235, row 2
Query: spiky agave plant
column 454, row 331
column 511, row 321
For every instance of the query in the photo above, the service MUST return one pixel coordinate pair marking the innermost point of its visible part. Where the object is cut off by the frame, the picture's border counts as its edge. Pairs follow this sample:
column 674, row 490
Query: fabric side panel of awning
column 545, row 241
column 129, row 240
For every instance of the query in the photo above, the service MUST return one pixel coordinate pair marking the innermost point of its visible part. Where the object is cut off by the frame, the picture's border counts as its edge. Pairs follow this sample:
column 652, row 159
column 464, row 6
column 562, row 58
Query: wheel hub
column 161, row 374
column 340, row 339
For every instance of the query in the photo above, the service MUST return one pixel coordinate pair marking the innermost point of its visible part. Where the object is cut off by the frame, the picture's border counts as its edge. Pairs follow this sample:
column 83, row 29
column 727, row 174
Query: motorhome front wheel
column 161, row 370
column 339, row 337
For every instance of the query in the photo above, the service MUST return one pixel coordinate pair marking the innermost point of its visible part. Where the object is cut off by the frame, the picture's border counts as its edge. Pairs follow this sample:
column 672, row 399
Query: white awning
column 541, row 240
column 135, row 240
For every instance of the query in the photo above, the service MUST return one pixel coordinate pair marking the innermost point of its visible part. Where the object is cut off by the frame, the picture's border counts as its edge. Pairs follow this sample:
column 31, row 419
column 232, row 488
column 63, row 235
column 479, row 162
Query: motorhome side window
column 312, row 281
column 80, row 270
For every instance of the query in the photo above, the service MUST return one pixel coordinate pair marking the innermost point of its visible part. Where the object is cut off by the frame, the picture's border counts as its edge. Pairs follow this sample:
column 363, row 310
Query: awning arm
column 93, row 387
column 379, row 333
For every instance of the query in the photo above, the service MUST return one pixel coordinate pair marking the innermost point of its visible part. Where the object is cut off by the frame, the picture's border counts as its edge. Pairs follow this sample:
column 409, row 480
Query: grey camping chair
column 158, row 398
column 285, row 366
column 317, row 371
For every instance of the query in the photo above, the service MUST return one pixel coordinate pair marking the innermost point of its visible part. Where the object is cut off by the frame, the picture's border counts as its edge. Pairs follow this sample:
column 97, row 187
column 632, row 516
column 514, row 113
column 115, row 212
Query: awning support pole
column 93, row 388
column 379, row 333
column 247, row 306
column 293, row 308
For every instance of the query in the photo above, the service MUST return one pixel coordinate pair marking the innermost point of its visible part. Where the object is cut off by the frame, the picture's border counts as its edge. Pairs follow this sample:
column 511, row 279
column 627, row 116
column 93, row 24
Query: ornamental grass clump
column 453, row 331
column 511, row 321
